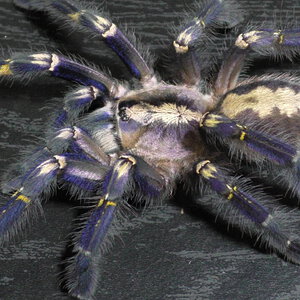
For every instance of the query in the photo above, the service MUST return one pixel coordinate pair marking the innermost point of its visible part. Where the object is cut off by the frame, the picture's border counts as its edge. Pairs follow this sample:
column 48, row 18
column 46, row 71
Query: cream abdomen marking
column 262, row 100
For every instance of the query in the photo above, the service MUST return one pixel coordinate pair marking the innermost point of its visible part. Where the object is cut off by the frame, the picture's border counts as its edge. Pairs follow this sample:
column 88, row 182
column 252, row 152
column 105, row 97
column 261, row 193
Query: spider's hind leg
column 258, row 122
column 243, row 205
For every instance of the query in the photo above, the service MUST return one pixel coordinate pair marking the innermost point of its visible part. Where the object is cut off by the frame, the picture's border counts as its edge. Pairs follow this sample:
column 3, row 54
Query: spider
column 116, row 141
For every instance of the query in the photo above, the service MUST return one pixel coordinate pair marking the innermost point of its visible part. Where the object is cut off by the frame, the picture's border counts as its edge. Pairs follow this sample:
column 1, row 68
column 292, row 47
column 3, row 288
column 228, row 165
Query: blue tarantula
column 114, row 142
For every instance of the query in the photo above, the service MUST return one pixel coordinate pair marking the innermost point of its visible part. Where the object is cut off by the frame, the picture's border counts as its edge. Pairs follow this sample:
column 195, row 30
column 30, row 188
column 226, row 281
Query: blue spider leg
column 230, row 70
column 76, row 103
column 28, row 190
column 269, row 41
column 186, row 45
column 83, row 272
column 77, row 140
column 93, row 21
column 27, row 65
column 269, row 147
column 284, row 42
column 262, row 222
column 100, row 125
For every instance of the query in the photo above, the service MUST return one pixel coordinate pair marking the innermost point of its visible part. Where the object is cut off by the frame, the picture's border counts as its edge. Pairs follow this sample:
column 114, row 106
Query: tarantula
column 114, row 141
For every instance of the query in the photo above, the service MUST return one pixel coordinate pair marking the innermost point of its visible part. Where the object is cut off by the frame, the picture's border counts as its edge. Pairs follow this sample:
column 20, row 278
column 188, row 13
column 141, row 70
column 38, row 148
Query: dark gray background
column 164, row 254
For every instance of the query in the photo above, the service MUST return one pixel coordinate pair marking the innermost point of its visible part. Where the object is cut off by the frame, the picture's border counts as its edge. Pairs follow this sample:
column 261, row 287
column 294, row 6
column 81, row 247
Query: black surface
column 164, row 254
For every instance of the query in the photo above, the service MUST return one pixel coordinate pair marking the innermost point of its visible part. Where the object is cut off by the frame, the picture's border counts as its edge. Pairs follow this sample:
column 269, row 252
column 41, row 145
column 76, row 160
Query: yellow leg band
column 100, row 203
column 108, row 203
column 231, row 190
column 5, row 70
column 242, row 136
column 23, row 198
column 75, row 16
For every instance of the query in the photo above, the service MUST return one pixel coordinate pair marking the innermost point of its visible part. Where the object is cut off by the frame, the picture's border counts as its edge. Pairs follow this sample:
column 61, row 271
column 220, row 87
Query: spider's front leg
column 240, row 198
column 76, row 103
column 128, row 171
column 198, row 29
column 25, row 66
column 98, row 87
column 91, row 20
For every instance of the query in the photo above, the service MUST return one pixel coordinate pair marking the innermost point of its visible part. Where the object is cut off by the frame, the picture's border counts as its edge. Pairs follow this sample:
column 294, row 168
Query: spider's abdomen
column 270, row 106
column 267, row 104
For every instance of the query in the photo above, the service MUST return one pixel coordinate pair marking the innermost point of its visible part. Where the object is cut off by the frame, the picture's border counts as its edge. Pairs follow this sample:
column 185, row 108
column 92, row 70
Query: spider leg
column 266, row 147
column 83, row 271
column 96, row 125
column 230, row 70
column 212, row 12
column 82, row 169
column 92, row 21
column 226, row 130
column 284, row 42
column 268, row 41
column 76, row 103
column 77, row 141
column 27, row 65
column 259, row 219
column 38, row 182
column 259, row 121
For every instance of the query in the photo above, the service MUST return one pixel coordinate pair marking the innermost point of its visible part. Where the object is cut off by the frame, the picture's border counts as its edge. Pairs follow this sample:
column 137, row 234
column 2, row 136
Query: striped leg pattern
column 196, row 30
column 83, row 169
column 29, row 189
column 278, row 42
column 89, row 20
column 272, row 148
column 24, row 66
column 262, row 222
column 76, row 103
column 89, row 244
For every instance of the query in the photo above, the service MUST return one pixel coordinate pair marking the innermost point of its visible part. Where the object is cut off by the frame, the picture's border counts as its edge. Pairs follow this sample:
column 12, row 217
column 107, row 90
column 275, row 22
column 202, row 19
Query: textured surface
column 164, row 254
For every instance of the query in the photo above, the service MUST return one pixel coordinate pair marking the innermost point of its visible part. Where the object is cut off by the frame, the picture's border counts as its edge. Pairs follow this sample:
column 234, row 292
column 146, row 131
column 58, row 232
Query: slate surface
column 164, row 254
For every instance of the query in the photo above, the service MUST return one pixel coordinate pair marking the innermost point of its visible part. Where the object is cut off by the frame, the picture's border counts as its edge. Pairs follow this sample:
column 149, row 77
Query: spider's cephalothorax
column 161, row 125
column 113, row 142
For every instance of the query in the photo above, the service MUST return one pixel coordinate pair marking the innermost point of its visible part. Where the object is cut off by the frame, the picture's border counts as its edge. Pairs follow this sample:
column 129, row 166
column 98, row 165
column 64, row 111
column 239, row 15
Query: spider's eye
column 123, row 114
column 124, row 109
